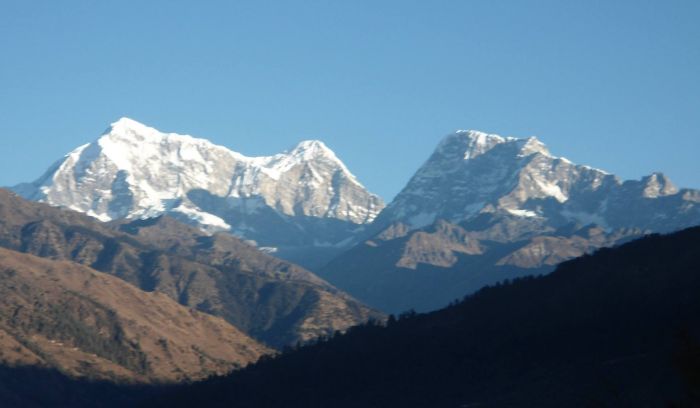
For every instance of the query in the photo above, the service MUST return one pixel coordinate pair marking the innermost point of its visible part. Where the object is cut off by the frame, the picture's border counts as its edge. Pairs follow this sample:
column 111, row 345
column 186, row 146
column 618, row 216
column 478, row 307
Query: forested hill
column 615, row 328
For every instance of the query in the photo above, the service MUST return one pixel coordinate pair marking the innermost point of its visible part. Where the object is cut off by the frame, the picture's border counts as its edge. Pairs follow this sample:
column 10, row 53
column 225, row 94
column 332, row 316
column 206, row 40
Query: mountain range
column 481, row 209
column 153, row 258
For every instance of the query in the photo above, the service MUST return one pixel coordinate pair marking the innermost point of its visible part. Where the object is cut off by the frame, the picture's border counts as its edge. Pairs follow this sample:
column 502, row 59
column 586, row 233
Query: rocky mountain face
column 294, row 202
column 472, row 174
column 274, row 301
column 485, row 208
column 61, row 315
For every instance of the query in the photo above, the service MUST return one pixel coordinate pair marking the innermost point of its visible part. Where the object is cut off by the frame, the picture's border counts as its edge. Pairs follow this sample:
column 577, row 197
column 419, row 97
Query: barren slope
column 86, row 323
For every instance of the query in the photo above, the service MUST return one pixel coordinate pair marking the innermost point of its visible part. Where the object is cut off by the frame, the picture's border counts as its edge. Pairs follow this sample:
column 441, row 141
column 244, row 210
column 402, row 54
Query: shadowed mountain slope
column 608, row 329
column 272, row 300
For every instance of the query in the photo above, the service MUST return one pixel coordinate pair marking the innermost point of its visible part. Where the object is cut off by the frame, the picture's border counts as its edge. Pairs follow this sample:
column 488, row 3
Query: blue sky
column 611, row 84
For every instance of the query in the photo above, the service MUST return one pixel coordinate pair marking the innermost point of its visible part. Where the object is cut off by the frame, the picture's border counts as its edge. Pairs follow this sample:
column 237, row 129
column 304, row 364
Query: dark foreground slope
column 40, row 387
column 610, row 329
column 615, row 329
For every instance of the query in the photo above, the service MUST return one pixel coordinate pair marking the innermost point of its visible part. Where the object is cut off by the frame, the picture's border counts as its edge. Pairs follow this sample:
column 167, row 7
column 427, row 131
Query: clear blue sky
column 613, row 84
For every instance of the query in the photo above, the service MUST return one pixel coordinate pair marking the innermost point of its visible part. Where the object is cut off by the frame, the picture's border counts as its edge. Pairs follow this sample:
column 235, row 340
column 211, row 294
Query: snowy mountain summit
column 303, row 197
column 471, row 174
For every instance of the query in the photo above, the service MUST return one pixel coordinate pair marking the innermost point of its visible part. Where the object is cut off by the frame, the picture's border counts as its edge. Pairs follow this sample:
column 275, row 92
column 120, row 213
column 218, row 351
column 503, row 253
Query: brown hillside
column 272, row 300
column 88, row 324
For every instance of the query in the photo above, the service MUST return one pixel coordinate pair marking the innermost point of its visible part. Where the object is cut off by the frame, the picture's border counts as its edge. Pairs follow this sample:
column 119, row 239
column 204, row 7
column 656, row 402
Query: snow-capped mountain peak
column 484, row 208
column 472, row 173
column 312, row 148
column 125, row 124
column 532, row 145
column 315, row 151
column 136, row 171
column 468, row 144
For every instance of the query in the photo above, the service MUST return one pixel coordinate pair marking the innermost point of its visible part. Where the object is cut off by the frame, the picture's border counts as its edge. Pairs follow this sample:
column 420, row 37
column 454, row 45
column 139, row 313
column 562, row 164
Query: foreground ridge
column 618, row 327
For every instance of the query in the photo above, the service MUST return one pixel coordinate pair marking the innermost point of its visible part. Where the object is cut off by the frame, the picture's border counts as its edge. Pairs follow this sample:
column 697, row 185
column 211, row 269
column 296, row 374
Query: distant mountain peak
column 311, row 150
column 126, row 122
column 532, row 145
column 658, row 184
column 469, row 144
column 136, row 171
column 312, row 146
column 124, row 126
column 483, row 208
column 472, row 172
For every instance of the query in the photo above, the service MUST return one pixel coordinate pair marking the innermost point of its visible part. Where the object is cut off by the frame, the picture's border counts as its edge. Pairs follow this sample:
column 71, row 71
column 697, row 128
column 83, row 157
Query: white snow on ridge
column 202, row 217
column 476, row 142
column 551, row 190
column 134, row 171
column 473, row 172
column 522, row 213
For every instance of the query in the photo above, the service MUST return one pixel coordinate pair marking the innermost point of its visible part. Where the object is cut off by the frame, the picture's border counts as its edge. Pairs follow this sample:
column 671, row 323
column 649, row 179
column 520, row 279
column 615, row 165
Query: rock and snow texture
column 135, row 171
column 472, row 174
column 484, row 208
